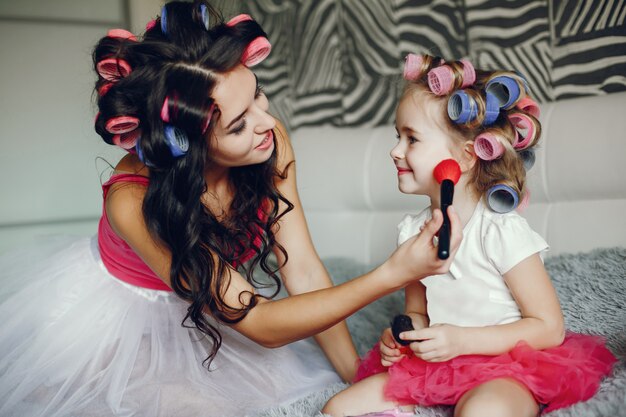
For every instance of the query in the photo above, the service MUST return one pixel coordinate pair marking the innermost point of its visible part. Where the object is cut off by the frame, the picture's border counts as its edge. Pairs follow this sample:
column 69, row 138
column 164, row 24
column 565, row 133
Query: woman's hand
column 390, row 350
column 417, row 257
column 438, row 343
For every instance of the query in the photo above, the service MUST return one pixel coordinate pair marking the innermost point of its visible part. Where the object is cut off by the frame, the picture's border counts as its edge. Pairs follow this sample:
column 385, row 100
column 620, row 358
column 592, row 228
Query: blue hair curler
column 140, row 154
column 492, row 109
column 506, row 90
column 461, row 107
column 176, row 140
column 206, row 19
column 501, row 198
column 164, row 19
column 528, row 157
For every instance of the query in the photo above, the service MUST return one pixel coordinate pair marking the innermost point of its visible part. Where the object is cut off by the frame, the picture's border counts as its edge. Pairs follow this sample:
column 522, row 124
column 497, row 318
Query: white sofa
column 348, row 183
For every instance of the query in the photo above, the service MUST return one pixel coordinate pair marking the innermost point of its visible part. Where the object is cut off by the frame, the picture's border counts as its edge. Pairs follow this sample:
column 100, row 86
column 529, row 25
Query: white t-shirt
column 474, row 293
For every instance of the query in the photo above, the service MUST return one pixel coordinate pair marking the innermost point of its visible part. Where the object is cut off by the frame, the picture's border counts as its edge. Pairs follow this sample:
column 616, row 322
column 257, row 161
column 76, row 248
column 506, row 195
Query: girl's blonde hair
column 508, row 168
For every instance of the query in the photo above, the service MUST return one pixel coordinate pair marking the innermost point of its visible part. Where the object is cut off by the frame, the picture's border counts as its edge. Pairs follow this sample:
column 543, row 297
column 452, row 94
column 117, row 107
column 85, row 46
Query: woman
column 206, row 195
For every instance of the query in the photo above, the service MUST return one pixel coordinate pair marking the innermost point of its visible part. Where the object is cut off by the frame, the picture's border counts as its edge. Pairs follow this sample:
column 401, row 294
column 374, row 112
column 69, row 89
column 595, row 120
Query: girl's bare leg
column 365, row 396
column 503, row 397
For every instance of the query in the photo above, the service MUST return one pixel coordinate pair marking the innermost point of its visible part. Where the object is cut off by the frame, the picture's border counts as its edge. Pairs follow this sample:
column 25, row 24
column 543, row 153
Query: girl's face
column 422, row 144
column 242, row 134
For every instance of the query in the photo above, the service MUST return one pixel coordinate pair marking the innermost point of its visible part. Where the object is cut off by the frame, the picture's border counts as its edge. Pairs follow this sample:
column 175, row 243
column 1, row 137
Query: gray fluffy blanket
column 592, row 290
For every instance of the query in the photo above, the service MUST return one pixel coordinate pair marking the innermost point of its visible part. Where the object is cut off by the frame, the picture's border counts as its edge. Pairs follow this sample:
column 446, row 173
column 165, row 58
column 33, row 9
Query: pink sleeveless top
column 119, row 258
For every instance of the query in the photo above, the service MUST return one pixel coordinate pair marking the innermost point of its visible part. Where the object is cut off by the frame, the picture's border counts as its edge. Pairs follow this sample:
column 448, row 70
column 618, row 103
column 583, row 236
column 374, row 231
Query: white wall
column 49, row 181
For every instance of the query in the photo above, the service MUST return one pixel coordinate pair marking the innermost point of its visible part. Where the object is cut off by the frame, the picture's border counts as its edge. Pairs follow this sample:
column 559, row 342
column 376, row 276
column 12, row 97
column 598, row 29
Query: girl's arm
column 415, row 304
column 541, row 325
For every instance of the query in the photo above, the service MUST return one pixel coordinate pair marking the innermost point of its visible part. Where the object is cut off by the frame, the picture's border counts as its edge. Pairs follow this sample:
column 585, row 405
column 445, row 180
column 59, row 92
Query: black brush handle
column 401, row 323
column 447, row 194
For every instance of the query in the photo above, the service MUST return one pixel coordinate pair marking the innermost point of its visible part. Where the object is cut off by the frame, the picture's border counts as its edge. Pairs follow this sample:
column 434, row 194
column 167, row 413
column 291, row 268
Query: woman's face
column 242, row 133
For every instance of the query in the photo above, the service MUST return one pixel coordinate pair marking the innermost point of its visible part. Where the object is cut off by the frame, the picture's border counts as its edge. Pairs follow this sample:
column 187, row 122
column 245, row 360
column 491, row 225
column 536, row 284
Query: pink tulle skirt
column 557, row 377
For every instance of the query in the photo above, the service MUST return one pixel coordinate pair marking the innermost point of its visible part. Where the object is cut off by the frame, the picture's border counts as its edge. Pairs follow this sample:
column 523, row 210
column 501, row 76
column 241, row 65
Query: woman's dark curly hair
column 184, row 63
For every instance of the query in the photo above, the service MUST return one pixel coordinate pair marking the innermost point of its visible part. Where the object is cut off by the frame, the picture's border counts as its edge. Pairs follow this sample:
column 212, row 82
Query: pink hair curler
column 523, row 205
column 122, row 34
column 112, row 69
column 441, row 80
column 412, row 67
column 151, row 24
column 121, row 124
column 446, row 173
column 127, row 140
column 95, row 119
column 209, row 115
column 104, row 88
column 524, row 130
column 501, row 198
column 256, row 51
column 469, row 73
column 529, row 105
column 238, row 19
column 165, row 110
column 488, row 147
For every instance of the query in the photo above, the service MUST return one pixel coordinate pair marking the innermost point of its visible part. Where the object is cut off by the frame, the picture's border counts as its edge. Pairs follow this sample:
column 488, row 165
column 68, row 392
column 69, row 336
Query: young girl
column 488, row 335
column 123, row 324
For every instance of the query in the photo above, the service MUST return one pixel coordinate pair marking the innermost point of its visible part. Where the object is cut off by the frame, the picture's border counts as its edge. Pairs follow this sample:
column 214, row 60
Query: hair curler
column 461, row 107
column 122, row 34
column 441, row 79
column 238, row 19
column 524, row 130
column 413, row 67
column 528, row 158
column 523, row 205
column 150, row 24
column 104, row 88
column 492, row 109
column 204, row 13
column 506, row 89
column 401, row 323
column 501, row 198
column 127, row 140
column 111, row 69
column 446, row 173
column 164, row 19
column 176, row 140
column 488, row 147
column 256, row 51
column 529, row 105
column 121, row 124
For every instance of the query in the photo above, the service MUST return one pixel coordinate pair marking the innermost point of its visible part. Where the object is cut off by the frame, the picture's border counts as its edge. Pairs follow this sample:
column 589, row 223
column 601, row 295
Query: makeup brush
column 447, row 173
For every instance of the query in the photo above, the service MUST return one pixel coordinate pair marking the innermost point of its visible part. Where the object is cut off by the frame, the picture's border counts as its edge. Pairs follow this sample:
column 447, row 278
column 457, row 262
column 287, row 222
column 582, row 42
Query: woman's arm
column 276, row 323
column 541, row 325
column 304, row 272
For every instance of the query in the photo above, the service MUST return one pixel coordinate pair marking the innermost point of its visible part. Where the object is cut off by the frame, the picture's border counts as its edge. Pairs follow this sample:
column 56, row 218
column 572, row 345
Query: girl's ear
column 468, row 156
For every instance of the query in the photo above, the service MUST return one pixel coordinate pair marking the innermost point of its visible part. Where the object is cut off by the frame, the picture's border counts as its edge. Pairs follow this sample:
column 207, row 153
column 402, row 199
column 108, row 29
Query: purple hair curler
column 462, row 107
column 529, row 105
column 176, row 140
column 501, row 198
column 528, row 158
column 204, row 13
column 524, row 130
column 413, row 67
column 506, row 89
column 127, row 140
column 111, row 69
column 164, row 19
column 256, row 51
column 488, row 147
column 121, row 124
column 122, row 34
column 492, row 109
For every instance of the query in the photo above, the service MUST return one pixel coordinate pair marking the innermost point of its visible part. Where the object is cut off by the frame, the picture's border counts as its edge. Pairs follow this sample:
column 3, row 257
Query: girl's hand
column 390, row 352
column 417, row 257
column 438, row 343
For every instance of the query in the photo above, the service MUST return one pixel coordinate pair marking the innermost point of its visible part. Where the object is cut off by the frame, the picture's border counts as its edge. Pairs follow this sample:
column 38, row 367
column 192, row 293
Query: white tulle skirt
column 75, row 341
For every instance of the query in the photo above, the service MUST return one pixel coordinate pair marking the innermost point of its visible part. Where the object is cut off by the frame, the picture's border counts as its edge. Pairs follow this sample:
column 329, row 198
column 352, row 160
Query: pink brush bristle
column 448, row 169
